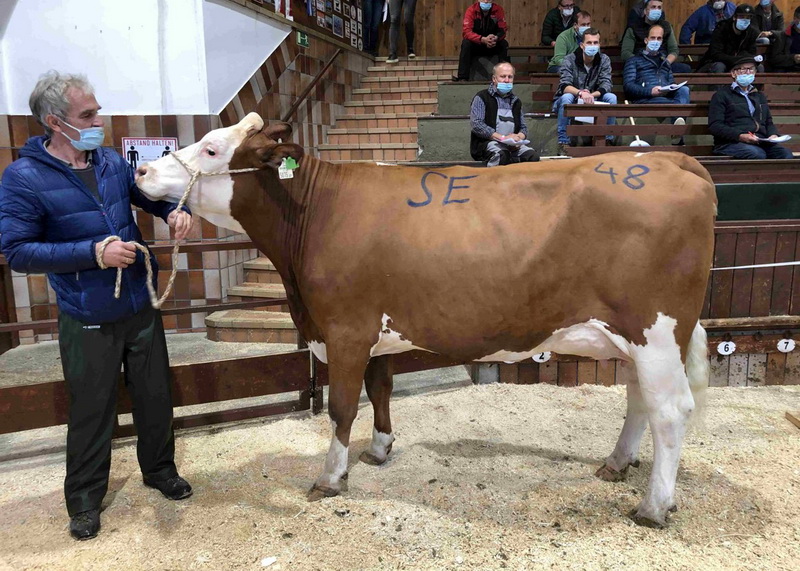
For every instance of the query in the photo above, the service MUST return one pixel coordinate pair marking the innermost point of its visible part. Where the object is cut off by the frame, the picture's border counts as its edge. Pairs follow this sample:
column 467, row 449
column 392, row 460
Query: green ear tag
column 290, row 163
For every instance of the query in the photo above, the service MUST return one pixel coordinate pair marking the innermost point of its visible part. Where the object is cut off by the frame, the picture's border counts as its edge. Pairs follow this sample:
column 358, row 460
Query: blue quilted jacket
column 50, row 222
column 643, row 72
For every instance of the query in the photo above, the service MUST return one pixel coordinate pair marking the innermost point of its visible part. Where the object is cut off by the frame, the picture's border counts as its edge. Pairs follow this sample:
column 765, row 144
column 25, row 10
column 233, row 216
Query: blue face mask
column 745, row 79
column 764, row 2
column 505, row 87
column 486, row 6
column 591, row 51
column 742, row 24
column 90, row 138
column 655, row 15
column 653, row 45
column 582, row 30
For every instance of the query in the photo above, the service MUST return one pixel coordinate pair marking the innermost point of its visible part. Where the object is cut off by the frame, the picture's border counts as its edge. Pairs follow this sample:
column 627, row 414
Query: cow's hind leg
column 346, row 373
column 667, row 396
column 378, row 380
column 626, row 452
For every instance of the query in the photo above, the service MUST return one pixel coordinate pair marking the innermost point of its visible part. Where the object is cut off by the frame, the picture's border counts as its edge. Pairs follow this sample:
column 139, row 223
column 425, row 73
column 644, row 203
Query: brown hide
column 531, row 249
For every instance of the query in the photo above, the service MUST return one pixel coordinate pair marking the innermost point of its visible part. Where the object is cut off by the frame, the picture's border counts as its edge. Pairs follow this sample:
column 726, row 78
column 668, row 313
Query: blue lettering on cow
column 637, row 183
column 425, row 189
column 451, row 187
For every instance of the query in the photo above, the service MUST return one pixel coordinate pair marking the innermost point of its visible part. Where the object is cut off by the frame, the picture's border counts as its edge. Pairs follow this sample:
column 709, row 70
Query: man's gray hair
column 49, row 97
column 497, row 66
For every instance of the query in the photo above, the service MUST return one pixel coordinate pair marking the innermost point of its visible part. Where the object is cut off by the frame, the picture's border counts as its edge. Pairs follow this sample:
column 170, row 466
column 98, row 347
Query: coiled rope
column 194, row 175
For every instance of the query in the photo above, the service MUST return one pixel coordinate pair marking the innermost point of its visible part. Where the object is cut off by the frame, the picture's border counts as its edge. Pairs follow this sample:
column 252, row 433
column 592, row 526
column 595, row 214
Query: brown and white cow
column 605, row 257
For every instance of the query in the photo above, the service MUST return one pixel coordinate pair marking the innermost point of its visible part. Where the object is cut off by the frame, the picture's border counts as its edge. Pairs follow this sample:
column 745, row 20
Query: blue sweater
column 50, row 222
column 702, row 22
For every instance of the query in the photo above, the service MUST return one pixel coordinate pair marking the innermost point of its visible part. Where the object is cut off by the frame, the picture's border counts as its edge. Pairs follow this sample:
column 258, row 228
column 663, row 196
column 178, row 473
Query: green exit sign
column 302, row 39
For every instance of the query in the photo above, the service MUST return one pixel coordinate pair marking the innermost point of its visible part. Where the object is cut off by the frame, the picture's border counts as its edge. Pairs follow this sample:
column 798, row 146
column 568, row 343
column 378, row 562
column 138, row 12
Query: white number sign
column 542, row 357
column 726, row 348
column 786, row 345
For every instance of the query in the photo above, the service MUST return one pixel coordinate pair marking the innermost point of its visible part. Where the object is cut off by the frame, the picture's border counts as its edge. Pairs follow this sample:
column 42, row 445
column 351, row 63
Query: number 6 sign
column 726, row 348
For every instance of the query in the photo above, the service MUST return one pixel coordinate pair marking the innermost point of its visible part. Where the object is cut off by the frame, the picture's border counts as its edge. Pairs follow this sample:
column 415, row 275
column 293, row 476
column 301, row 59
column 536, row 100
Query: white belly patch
column 591, row 339
column 390, row 342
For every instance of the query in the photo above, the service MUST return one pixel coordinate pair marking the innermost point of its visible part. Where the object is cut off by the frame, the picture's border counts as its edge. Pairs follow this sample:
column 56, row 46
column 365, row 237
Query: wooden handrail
column 302, row 97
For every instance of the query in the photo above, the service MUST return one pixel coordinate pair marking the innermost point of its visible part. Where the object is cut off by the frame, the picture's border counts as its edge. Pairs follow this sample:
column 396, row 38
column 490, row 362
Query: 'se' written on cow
column 451, row 186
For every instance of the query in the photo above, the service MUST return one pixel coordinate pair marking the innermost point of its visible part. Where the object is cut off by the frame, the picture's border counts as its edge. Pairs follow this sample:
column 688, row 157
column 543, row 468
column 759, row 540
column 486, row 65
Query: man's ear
column 273, row 156
column 282, row 131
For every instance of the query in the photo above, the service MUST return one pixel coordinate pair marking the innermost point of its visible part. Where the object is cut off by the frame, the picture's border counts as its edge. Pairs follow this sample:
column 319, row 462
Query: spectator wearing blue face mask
column 586, row 75
column 484, row 34
column 768, row 19
column 731, row 40
column 634, row 38
column 496, row 122
column 648, row 73
column 739, row 118
column 704, row 20
column 568, row 40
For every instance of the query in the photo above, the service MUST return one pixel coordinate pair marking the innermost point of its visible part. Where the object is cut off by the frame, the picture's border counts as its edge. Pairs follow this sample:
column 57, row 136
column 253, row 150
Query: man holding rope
column 60, row 202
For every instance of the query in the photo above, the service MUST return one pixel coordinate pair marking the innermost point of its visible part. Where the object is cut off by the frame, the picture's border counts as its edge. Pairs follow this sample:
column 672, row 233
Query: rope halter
column 194, row 175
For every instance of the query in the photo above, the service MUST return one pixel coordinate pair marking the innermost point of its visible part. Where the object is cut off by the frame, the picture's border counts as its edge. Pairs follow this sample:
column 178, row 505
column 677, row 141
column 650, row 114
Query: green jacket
column 566, row 43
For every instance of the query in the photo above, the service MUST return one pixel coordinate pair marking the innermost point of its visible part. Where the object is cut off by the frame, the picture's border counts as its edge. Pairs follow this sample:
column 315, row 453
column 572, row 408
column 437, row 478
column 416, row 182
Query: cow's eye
column 211, row 153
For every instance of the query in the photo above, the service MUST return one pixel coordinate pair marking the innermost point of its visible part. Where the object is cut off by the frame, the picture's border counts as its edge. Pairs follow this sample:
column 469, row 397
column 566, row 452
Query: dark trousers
column 748, row 151
column 409, row 6
column 91, row 357
column 471, row 51
column 373, row 11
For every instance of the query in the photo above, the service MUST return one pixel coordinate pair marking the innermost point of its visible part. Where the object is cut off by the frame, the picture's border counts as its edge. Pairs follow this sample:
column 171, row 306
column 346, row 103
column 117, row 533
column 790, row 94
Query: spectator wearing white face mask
column 732, row 40
column 568, row 40
column 704, row 20
column 560, row 18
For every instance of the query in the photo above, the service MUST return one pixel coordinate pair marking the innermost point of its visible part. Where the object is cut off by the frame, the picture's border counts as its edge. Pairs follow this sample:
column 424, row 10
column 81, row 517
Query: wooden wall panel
column 438, row 22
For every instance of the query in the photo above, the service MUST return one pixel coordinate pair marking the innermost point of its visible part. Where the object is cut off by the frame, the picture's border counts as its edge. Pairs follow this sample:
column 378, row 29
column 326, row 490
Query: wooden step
column 245, row 325
column 376, row 135
column 418, row 106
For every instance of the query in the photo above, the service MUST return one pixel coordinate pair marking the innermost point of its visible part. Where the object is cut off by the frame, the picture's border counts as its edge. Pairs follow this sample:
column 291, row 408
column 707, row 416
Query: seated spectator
column 496, row 116
column 732, row 40
column 586, row 75
column 484, row 32
column 568, row 40
column 738, row 116
column 557, row 20
column 784, row 53
column 634, row 39
column 703, row 21
column 648, row 72
column 768, row 19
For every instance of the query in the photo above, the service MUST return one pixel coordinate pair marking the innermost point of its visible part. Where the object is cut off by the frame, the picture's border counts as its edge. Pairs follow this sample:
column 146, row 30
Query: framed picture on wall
column 337, row 5
column 338, row 26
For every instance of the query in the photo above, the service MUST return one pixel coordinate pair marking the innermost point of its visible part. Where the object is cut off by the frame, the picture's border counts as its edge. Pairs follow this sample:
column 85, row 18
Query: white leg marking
column 380, row 444
column 665, row 391
column 319, row 349
column 627, row 450
column 335, row 463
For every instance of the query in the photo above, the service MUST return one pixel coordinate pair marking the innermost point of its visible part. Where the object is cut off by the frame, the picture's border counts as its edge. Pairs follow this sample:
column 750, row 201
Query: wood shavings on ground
column 482, row 477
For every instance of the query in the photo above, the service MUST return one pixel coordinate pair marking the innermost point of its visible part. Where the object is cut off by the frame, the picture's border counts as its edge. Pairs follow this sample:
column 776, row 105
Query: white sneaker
column 412, row 55
column 392, row 59
column 678, row 139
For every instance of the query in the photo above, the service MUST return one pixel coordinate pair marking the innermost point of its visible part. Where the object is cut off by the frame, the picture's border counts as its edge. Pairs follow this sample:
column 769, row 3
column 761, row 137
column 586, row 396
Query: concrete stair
column 380, row 122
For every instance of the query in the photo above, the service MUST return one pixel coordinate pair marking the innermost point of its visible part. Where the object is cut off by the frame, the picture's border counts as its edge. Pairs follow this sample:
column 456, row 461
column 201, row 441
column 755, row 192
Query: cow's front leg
column 378, row 380
column 665, row 391
column 346, row 374
column 626, row 452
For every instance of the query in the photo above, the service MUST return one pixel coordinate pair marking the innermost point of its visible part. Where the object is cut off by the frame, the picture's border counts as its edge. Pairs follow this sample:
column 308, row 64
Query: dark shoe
column 85, row 525
column 563, row 149
column 612, row 141
column 456, row 78
column 175, row 488
column 392, row 58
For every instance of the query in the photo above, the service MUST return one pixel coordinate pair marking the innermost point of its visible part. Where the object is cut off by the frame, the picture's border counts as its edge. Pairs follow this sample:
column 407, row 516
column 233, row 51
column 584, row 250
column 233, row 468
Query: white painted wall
column 148, row 57
column 236, row 41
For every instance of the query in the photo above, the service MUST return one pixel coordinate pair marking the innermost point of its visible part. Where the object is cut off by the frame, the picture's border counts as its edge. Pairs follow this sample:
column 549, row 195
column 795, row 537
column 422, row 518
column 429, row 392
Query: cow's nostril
column 141, row 171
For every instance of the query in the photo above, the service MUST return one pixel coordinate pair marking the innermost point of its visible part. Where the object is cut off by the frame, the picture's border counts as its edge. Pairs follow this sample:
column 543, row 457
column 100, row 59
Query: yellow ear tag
column 285, row 170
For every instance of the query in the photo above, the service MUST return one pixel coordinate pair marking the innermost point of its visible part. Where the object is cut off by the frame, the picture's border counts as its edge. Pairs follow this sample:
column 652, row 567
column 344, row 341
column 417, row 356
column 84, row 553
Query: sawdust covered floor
column 484, row 477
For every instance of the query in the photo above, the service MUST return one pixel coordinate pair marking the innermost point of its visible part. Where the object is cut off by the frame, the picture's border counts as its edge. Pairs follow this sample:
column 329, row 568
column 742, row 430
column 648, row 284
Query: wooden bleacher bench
column 784, row 115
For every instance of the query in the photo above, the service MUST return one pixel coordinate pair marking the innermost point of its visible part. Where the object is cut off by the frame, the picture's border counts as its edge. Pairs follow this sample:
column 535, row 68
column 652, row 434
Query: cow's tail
column 698, row 369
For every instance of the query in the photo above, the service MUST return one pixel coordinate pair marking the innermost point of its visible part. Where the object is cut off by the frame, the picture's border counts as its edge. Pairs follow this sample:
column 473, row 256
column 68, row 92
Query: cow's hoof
column 609, row 474
column 317, row 493
column 368, row 457
column 647, row 520
column 673, row 508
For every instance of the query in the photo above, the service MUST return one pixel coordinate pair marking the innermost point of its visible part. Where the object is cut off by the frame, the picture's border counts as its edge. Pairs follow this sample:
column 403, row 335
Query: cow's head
column 248, row 144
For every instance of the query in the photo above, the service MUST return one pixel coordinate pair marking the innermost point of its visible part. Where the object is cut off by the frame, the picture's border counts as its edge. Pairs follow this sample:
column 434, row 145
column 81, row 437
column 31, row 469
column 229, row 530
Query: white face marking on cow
column 590, row 339
column 166, row 178
column 390, row 342
column 319, row 349
column 335, row 463
column 379, row 447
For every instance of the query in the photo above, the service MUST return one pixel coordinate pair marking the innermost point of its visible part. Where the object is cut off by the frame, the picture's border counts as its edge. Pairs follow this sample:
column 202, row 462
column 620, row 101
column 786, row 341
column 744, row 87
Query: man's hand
column 118, row 254
column 490, row 40
column 748, row 138
column 498, row 137
column 181, row 221
column 586, row 96
column 656, row 91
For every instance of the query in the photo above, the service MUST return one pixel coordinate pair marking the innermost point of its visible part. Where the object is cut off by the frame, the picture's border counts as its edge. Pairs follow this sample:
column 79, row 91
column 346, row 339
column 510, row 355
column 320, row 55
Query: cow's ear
column 275, row 155
column 279, row 131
